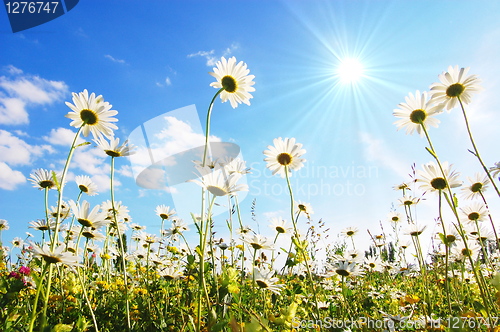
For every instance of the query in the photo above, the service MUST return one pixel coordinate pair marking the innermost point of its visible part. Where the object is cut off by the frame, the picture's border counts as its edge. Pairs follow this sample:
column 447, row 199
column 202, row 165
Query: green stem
column 203, row 290
column 37, row 296
column 61, row 188
column 120, row 241
column 300, row 245
column 476, row 151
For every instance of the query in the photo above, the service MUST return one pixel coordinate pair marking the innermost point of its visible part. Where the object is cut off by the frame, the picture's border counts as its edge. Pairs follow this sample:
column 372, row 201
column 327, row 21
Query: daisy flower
column 93, row 218
column 408, row 200
column 92, row 234
column 258, row 241
column 86, row 185
column 113, row 149
column 394, row 216
column 454, row 84
column 93, row 113
column 284, row 153
column 459, row 252
column 476, row 211
column 349, row 231
column 235, row 81
column 414, row 229
column 171, row 273
column 452, row 236
column 43, row 225
column 374, row 264
column 58, row 256
column 433, row 180
column 120, row 210
column 415, row 113
column 164, row 212
column 235, row 165
column 346, row 269
column 280, row 226
column 4, row 225
column 495, row 170
column 42, row 179
column 478, row 185
column 304, row 207
column 265, row 280
column 220, row 184
column 401, row 186
column 17, row 242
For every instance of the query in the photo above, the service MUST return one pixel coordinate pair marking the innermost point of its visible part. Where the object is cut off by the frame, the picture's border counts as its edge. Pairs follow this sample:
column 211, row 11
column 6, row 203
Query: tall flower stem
column 120, row 241
column 61, row 188
column 37, row 296
column 447, row 255
column 54, row 237
column 451, row 202
column 201, row 280
column 476, row 151
column 491, row 220
column 301, row 246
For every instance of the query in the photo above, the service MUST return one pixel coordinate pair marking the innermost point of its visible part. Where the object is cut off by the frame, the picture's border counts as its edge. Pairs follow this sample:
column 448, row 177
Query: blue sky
column 151, row 57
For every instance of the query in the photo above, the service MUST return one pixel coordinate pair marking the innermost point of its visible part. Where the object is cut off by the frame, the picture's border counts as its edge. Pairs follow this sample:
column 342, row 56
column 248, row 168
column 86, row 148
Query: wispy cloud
column 376, row 150
column 168, row 82
column 211, row 56
column 110, row 57
column 9, row 178
column 14, row 151
column 61, row 136
column 19, row 90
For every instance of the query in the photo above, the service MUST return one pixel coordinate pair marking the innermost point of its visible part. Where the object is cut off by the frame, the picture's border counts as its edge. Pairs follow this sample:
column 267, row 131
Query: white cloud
column 61, row 136
column 15, row 151
column 376, row 150
column 13, row 70
column 168, row 82
column 13, row 111
column 211, row 57
column 125, row 170
column 19, row 90
column 9, row 178
column 107, row 56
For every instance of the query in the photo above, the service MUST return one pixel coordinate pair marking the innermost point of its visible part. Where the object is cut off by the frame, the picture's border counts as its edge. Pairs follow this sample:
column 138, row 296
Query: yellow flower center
column 284, row 159
column 216, row 191
column 46, row 184
column 343, row 273
column 229, row 84
column 280, row 229
column 256, row 246
column 450, row 238
column 83, row 188
column 455, row 90
column 112, row 153
column 473, row 216
column 438, row 183
column 85, row 222
column 164, row 216
column 466, row 252
column 476, row 187
column 51, row 259
column 261, row 283
column 88, row 117
column 418, row 116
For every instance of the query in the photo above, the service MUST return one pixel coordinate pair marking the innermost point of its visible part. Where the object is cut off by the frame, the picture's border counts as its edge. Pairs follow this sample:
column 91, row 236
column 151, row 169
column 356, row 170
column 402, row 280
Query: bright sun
column 350, row 70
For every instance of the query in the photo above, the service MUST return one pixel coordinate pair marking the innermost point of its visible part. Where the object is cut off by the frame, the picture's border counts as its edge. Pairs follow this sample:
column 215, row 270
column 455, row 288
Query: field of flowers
column 92, row 269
